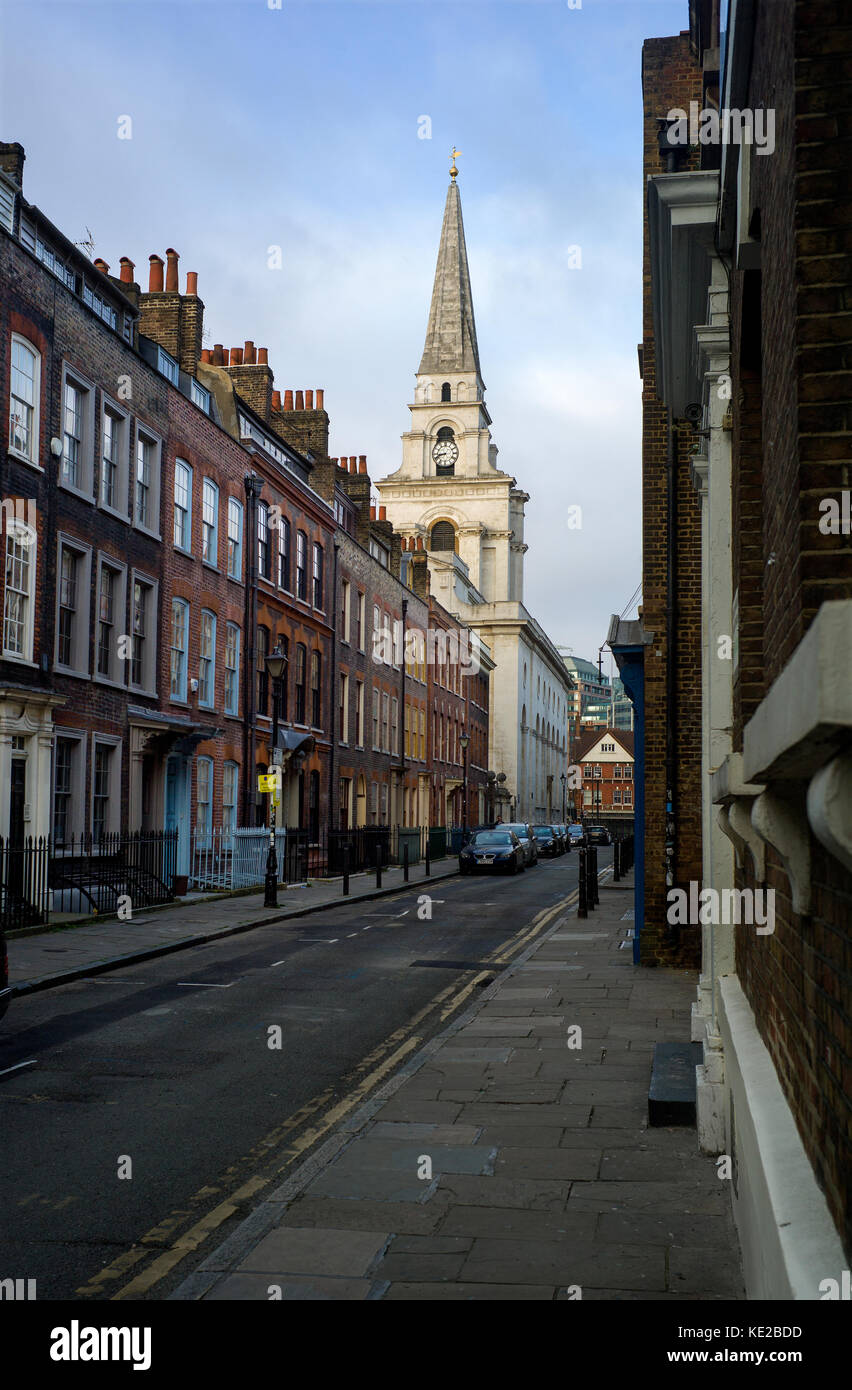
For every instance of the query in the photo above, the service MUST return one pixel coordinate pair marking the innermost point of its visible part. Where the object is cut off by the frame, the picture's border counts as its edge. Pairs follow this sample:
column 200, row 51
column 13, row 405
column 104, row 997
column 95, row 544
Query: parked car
column 493, row 849
column 562, row 832
column 547, row 840
column 598, row 835
column 5, row 990
column 576, row 834
column 527, row 839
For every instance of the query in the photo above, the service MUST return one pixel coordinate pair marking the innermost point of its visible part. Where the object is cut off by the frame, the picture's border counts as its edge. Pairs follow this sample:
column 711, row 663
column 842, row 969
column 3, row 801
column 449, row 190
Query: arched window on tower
column 446, row 392
column 443, row 536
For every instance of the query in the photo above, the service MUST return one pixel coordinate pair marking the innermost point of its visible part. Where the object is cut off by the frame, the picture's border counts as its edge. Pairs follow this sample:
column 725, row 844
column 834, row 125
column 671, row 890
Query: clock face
column 445, row 452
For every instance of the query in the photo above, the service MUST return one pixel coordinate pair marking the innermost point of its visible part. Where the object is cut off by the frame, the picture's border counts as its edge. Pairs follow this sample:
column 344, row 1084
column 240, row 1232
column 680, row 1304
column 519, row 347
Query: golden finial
column 454, row 170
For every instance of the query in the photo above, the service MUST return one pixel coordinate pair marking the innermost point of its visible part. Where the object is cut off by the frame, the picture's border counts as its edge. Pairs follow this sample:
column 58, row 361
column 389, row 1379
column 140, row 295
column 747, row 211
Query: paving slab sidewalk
column 72, row 952
column 502, row 1163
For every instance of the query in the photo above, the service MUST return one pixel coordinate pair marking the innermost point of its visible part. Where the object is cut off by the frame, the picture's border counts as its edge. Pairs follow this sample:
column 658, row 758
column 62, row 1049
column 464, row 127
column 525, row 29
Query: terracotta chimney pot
column 218, row 355
column 276, row 400
column 128, row 270
column 362, row 464
column 172, row 259
column 101, row 265
column 236, row 357
column 300, row 401
column 206, row 355
column 263, row 357
column 192, row 282
column 155, row 274
column 353, row 466
column 372, row 513
column 383, row 513
column 288, row 400
column 309, row 400
column 249, row 355
column 320, row 398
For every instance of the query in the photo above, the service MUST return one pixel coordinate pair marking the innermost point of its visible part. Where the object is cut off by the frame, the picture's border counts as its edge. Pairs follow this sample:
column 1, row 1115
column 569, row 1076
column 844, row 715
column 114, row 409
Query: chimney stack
column 128, row 270
column 155, row 274
column 172, row 259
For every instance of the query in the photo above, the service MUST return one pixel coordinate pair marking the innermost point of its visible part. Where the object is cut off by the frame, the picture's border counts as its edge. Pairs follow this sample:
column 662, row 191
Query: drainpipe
column 672, row 932
column 253, row 487
column 332, row 798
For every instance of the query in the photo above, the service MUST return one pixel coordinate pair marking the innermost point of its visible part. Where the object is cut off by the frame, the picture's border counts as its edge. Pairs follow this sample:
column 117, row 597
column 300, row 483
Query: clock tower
column 449, row 490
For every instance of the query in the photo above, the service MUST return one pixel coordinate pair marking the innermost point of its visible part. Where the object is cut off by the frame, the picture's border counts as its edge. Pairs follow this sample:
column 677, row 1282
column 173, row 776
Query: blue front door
column 177, row 808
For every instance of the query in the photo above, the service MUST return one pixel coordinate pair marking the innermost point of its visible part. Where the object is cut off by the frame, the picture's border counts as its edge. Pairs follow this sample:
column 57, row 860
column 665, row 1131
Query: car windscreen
column 519, row 830
column 491, row 837
column 543, row 832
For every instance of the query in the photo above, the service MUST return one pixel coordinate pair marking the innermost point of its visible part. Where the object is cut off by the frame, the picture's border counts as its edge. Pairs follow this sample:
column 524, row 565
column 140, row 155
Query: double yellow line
column 384, row 1059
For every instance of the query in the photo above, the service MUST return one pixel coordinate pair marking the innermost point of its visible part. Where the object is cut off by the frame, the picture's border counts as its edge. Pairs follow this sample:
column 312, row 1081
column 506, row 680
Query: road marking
column 18, row 1066
column 198, row 984
column 392, row 1052
column 351, row 934
column 277, row 962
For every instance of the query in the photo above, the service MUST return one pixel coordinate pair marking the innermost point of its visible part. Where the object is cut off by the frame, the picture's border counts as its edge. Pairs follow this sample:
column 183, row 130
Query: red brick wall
column 671, row 78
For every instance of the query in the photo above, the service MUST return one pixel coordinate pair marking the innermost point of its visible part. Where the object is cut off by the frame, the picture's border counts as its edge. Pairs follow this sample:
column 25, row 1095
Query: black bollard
column 405, row 862
column 428, row 857
column 594, row 877
column 378, row 867
column 582, row 908
column 345, row 871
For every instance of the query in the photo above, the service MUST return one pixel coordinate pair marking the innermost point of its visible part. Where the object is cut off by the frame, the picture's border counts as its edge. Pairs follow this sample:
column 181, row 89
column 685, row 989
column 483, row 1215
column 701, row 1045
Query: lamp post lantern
column 464, row 740
column 275, row 665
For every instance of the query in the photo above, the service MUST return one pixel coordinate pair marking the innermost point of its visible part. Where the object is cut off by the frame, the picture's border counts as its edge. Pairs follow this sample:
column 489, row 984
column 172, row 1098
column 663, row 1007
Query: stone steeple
column 451, row 333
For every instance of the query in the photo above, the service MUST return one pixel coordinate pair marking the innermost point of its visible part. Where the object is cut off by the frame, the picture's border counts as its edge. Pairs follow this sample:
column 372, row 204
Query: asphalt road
column 163, row 1071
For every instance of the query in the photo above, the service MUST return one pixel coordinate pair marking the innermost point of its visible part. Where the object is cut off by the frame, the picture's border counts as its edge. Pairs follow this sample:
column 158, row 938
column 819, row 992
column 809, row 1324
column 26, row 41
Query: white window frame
column 232, row 708
column 210, row 703
column 81, row 660
column 149, row 664
column 210, row 488
column 111, row 407
column 203, row 829
column 344, row 703
column 235, row 570
column 186, row 529
column 114, row 796
column 144, row 434
column 77, row 815
column 181, row 699
column 31, row 456
column 14, row 531
column 230, row 809
column 85, row 487
column 345, row 594
column 167, row 366
column 118, row 667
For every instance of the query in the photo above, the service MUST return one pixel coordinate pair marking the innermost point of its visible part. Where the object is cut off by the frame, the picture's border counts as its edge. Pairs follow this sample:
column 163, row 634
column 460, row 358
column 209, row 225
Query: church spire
column 451, row 332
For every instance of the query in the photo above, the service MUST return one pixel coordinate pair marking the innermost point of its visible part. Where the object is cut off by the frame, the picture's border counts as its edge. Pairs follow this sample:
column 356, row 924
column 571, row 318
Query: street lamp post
column 564, row 780
column 275, row 664
column 464, row 740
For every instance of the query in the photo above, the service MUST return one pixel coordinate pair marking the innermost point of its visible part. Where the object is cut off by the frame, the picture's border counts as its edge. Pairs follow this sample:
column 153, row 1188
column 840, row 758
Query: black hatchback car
column 548, row 842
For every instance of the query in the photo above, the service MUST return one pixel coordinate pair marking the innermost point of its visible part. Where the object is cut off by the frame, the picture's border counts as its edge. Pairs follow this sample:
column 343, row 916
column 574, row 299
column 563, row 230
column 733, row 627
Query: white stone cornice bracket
column 784, row 825
column 735, row 797
column 829, row 803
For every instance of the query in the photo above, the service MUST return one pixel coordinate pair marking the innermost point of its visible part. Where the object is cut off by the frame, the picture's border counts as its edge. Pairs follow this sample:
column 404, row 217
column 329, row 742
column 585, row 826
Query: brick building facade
column 168, row 522
column 750, row 271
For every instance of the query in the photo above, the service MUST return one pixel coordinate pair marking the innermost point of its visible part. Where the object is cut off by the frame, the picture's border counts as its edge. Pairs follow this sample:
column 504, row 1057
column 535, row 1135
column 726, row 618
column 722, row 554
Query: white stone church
column 450, row 494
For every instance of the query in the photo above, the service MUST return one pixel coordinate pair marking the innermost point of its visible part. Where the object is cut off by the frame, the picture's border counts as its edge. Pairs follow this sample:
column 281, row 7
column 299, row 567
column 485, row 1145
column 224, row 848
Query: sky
column 324, row 129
